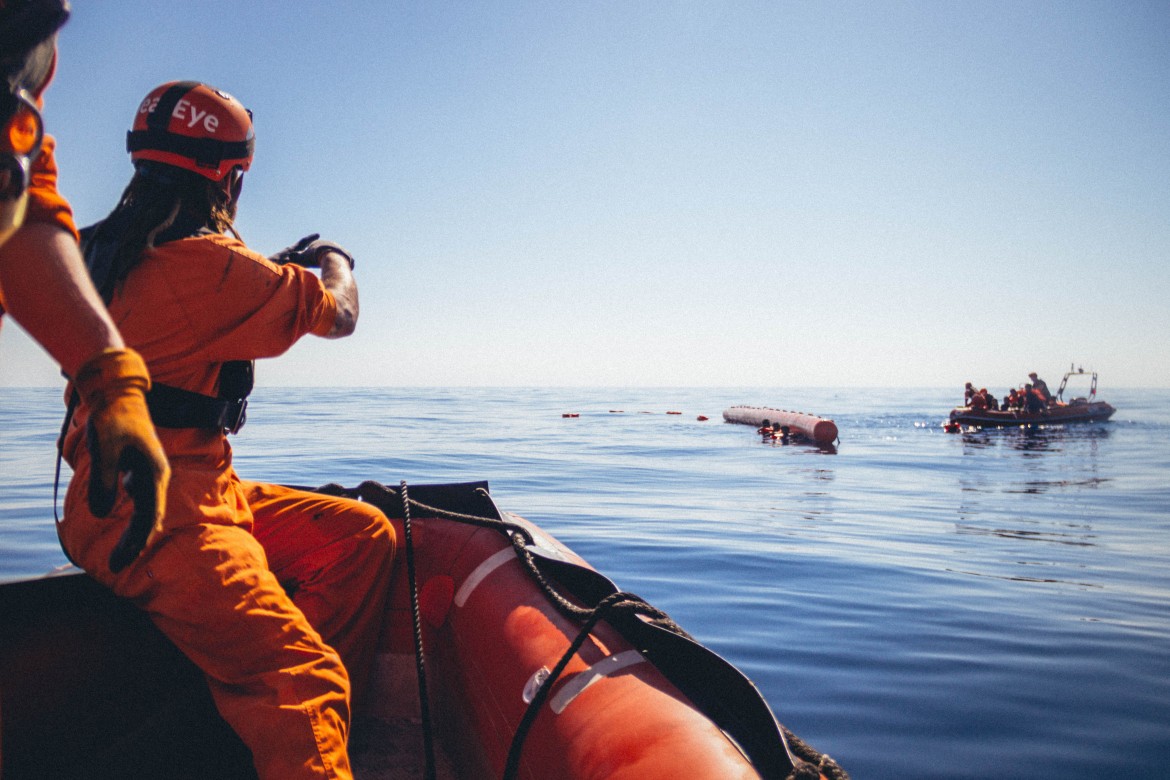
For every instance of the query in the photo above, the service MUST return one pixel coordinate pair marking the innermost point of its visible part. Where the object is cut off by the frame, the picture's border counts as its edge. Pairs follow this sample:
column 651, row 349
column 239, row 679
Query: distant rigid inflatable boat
column 1077, row 409
column 518, row 684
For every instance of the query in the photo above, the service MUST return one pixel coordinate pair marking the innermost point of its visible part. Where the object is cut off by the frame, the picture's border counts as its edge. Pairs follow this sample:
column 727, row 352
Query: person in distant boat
column 277, row 595
column 1033, row 399
column 989, row 401
column 43, row 282
column 1041, row 387
column 968, row 394
column 978, row 401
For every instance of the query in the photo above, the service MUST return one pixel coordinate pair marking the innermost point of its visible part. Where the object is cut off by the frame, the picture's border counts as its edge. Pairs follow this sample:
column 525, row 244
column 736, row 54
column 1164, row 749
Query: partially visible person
column 45, row 288
column 1033, row 399
column 276, row 594
column 1041, row 388
column 968, row 393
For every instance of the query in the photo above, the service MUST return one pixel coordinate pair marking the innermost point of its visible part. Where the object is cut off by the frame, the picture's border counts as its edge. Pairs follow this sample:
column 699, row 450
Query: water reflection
column 1043, row 486
column 1021, row 502
column 1020, row 578
column 1037, row 448
column 1042, row 505
column 1034, row 438
column 805, row 444
column 1084, row 537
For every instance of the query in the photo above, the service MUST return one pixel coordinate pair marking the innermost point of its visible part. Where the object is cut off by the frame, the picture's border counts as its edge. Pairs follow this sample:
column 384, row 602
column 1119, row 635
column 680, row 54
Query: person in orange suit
column 276, row 594
column 44, row 285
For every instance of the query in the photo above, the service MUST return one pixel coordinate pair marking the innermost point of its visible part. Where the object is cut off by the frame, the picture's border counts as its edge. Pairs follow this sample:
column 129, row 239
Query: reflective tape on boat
column 582, row 680
column 534, row 683
column 481, row 572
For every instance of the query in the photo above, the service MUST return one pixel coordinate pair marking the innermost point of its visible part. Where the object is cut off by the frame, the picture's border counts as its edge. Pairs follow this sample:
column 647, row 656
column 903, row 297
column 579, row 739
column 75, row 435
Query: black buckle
column 235, row 414
column 14, row 176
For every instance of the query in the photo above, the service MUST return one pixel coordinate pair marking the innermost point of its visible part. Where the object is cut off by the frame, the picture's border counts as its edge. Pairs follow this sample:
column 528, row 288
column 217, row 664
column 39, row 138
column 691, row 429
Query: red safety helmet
column 194, row 127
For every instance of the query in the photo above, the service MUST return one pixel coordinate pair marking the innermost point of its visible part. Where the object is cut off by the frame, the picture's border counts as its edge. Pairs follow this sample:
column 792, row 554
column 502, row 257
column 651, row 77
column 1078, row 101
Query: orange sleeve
column 212, row 300
column 45, row 204
column 328, row 315
column 271, row 306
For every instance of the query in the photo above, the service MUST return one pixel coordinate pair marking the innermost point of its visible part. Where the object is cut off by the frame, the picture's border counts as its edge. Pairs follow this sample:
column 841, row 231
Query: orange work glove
column 122, row 439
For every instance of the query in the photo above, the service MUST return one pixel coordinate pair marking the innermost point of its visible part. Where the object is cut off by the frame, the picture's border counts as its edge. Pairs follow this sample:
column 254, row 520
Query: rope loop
column 807, row 762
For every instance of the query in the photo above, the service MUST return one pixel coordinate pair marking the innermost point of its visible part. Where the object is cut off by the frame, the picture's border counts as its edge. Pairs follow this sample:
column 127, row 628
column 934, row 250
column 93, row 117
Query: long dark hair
column 161, row 203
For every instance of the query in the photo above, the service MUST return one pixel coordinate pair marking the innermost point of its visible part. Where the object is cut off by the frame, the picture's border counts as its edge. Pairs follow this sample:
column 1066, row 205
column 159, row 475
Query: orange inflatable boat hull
column 492, row 635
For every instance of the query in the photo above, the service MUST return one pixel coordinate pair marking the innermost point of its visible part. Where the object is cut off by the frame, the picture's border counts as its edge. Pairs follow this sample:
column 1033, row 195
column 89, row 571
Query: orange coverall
column 45, row 204
column 218, row 581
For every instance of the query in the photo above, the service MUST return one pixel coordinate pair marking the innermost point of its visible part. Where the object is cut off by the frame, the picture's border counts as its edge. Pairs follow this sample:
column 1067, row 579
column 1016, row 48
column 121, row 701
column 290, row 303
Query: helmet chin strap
column 235, row 184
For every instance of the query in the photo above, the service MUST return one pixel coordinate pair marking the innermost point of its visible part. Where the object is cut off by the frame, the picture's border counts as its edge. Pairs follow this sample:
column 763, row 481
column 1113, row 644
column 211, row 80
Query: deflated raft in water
column 816, row 429
column 537, row 667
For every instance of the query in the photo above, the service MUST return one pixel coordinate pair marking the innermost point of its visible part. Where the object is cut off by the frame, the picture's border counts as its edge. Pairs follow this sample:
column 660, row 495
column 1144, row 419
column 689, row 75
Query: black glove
column 140, row 487
column 296, row 252
column 307, row 252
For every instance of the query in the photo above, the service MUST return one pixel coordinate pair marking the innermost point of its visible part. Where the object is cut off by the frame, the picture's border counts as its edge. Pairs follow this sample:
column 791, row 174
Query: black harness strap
column 174, row 407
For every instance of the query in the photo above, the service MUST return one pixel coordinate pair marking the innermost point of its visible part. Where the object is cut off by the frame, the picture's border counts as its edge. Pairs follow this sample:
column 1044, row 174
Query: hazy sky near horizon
column 677, row 193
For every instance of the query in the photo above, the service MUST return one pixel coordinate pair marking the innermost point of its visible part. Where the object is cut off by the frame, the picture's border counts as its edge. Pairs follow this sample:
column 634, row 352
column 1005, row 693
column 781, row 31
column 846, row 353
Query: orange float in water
column 817, row 429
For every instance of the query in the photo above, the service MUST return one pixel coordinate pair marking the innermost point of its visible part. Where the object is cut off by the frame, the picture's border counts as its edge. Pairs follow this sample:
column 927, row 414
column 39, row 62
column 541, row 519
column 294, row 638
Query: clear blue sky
column 678, row 193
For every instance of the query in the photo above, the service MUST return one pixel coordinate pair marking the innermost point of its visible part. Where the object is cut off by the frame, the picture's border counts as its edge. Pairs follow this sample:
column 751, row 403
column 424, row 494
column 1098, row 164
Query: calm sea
column 918, row 604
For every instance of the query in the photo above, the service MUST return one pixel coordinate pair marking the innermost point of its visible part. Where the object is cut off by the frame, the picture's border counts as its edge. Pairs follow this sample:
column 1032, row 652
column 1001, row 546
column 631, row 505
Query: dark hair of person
column 161, row 203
